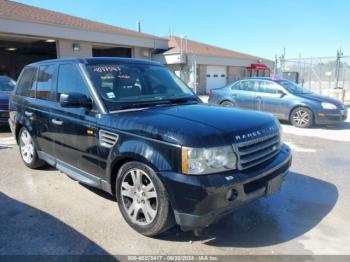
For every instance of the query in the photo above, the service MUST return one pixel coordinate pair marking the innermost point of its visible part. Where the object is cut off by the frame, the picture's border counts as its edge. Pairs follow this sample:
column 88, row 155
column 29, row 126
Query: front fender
column 159, row 156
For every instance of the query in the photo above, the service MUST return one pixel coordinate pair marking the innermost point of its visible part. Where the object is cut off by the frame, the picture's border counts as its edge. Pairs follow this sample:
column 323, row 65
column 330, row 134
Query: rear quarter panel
column 219, row 95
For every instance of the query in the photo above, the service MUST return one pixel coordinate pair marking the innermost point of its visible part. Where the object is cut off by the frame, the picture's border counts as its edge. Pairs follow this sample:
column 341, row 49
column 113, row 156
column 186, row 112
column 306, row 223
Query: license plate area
column 273, row 185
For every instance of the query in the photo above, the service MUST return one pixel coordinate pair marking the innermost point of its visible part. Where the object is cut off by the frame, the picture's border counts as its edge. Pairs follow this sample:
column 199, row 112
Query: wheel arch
column 153, row 155
column 120, row 161
column 227, row 100
column 18, row 128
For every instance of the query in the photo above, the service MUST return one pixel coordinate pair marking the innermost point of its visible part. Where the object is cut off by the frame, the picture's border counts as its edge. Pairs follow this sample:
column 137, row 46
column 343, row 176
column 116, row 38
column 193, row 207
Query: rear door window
column 26, row 85
column 70, row 81
column 45, row 82
column 248, row 85
column 236, row 86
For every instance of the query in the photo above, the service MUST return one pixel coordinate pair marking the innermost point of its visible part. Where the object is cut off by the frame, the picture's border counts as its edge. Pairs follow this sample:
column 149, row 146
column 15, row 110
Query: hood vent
column 107, row 139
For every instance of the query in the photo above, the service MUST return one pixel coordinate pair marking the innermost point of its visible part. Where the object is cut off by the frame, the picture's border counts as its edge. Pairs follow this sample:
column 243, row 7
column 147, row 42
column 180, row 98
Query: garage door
column 216, row 77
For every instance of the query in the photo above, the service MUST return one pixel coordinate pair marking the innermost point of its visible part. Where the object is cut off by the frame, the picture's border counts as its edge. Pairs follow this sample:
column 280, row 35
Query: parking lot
column 45, row 212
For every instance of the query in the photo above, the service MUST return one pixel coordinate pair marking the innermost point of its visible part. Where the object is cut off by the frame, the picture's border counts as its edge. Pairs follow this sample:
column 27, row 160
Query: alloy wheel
column 301, row 118
column 27, row 147
column 139, row 197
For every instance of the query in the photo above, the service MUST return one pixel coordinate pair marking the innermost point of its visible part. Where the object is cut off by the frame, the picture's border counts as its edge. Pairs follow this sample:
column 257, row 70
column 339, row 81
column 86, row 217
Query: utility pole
column 282, row 62
column 138, row 26
column 275, row 66
column 337, row 68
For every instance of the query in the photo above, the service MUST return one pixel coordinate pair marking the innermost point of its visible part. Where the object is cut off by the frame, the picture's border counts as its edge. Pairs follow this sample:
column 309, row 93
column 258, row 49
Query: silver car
column 282, row 98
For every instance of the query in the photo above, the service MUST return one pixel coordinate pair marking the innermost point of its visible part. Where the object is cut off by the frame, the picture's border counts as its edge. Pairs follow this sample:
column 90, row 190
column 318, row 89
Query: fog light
column 321, row 114
column 231, row 194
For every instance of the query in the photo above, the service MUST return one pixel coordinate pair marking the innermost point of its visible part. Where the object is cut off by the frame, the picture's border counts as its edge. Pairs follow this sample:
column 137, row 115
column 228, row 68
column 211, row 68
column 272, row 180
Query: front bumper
column 4, row 116
column 198, row 201
column 327, row 117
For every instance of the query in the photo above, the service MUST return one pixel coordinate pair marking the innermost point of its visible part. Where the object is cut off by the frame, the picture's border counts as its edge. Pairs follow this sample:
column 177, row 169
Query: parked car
column 133, row 129
column 7, row 85
column 282, row 98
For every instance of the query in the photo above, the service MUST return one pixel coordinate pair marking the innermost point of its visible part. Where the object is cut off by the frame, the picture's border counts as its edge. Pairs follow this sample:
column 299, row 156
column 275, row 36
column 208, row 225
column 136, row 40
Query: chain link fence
column 322, row 75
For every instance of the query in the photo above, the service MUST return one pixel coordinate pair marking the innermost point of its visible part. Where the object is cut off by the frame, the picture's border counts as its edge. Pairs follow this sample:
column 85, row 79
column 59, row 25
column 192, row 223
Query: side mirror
column 75, row 100
column 281, row 93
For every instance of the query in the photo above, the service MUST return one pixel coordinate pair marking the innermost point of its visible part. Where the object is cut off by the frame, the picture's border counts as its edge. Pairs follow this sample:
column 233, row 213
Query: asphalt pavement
column 45, row 212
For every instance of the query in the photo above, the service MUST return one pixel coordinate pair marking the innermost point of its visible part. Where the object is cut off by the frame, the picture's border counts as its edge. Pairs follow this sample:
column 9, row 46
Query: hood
column 190, row 125
column 319, row 98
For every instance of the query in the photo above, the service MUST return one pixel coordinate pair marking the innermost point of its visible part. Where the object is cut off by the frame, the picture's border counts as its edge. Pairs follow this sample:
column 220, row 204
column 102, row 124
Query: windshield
column 130, row 85
column 292, row 87
column 7, row 84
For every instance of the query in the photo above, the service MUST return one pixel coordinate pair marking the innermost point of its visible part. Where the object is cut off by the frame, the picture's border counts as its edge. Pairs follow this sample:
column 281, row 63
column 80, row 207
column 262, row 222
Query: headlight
column 200, row 161
column 326, row 105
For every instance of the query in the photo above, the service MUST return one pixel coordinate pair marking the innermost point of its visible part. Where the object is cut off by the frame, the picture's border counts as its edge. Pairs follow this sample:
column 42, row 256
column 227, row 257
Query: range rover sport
column 133, row 129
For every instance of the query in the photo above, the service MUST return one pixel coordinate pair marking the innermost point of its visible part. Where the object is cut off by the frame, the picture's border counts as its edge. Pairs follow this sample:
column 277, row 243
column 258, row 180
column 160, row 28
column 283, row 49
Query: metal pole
column 275, row 66
column 310, row 68
column 339, row 55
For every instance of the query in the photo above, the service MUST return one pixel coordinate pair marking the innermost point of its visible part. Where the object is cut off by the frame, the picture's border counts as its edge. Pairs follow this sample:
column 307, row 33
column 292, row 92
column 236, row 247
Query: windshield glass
column 293, row 87
column 7, row 84
column 137, row 84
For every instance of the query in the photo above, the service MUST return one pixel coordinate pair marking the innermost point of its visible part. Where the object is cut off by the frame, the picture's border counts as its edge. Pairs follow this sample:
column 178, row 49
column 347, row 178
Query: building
column 29, row 34
column 204, row 67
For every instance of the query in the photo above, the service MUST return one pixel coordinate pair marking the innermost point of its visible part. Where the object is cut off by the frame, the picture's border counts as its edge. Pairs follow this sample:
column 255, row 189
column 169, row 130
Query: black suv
column 133, row 129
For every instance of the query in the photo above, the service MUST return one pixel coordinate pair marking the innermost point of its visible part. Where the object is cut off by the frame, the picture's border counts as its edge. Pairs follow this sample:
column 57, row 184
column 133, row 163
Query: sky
column 310, row 28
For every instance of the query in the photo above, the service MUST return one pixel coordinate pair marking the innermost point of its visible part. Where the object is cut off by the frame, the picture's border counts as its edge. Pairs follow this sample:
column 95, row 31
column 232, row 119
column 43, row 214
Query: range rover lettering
column 133, row 129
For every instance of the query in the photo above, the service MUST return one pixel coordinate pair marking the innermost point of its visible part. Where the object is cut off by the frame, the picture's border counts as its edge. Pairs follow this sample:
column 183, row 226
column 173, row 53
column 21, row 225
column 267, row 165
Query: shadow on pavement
column 340, row 126
column 99, row 192
column 26, row 230
column 301, row 204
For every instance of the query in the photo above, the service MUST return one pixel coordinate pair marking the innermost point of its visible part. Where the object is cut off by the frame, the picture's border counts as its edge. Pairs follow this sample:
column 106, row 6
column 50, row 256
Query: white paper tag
column 110, row 95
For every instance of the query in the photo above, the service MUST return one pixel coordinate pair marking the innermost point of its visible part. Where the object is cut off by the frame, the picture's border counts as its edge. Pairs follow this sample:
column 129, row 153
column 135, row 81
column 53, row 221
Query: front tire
column 302, row 117
column 28, row 150
column 143, row 200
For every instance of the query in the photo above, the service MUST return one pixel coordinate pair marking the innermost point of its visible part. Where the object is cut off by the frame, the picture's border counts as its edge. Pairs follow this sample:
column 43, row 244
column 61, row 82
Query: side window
column 268, row 87
column 44, row 82
column 248, row 85
column 70, row 81
column 236, row 86
column 26, row 86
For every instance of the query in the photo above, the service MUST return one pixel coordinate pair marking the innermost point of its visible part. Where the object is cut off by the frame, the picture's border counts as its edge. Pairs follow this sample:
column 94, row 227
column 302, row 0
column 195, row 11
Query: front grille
column 4, row 107
column 262, row 182
column 256, row 151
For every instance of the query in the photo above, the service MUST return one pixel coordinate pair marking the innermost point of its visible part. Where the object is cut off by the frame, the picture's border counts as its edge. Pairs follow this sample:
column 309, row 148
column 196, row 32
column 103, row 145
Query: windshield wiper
column 159, row 103
column 183, row 100
column 142, row 104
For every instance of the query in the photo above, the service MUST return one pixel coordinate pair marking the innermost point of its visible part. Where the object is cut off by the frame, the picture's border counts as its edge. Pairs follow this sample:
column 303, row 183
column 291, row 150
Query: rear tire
column 143, row 200
column 28, row 150
column 302, row 117
column 227, row 104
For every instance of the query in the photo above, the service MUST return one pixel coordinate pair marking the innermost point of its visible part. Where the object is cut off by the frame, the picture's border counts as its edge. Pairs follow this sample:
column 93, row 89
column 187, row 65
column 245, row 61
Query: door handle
column 57, row 122
column 258, row 97
column 28, row 113
column 234, row 95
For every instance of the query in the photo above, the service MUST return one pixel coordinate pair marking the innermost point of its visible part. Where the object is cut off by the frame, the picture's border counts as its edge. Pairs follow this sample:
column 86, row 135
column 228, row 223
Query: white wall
column 65, row 49
column 57, row 32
